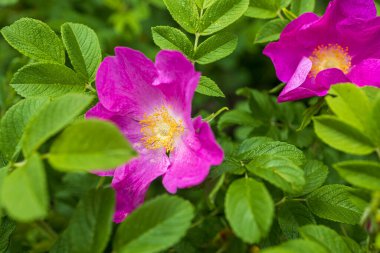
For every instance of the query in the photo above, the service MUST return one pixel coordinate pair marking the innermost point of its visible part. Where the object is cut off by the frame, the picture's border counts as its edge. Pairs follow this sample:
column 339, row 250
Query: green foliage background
column 297, row 177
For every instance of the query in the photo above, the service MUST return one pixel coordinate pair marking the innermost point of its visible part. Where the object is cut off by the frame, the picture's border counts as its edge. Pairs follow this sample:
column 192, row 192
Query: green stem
column 47, row 230
column 214, row 115
column 197, row 35
column 282, row 201
column 378, row 152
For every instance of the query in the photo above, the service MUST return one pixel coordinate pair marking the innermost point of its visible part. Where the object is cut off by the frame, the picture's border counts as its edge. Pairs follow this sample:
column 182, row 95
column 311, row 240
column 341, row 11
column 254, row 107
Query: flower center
column 160, row 129
column 330, row 56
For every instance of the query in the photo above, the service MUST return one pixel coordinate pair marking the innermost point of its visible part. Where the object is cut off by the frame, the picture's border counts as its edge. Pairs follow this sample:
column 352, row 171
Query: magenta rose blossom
column 151, row 104
column 315, row 52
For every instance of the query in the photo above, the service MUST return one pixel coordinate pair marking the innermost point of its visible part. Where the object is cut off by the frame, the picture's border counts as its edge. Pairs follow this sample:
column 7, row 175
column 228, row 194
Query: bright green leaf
column 299, row 7
column 279, row 171
column 215, row 48
column 221, row 14
column 185, row 13
column 83, row 48
column 53, row 118
column 350, row 104
column 208, row 87
column 24, row 192
column 342, row 136
column 89, row 145
column 13, row 124
column 270, row 31
column 364, row 174
column 155, row 226
column 46, row 79
column 90, row 226
column 249, row 209
column 35, row 39
column 325, row 237
column 263, row 9
column 296, row 246
column 334, row 202
column 167, row 37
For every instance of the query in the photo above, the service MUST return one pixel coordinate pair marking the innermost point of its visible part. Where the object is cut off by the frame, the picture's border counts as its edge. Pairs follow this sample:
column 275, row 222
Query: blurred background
column 128, row 23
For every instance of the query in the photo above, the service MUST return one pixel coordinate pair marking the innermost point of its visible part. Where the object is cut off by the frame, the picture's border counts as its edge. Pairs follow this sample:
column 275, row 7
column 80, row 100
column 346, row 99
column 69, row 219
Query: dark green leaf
column 293, row 215
column 90, row 226
column 296, row 246
column 7, row 227
column 315, row 175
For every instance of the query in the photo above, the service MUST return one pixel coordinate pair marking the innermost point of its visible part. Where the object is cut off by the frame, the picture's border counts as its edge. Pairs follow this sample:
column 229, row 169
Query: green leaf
column 83, row 48
column 7, row 227
column 325, row 237
column 53, row 118
column 342, row 136
column 310, row 112
column 215, row 48
column 208, row 87
column 296, row 246
column 7, row 3
column 185, row 13
column 237, row 117
column 334, row 202
column 13, row 124
column 35, row 39
column 263, row 9
column 204, row 4
column 155, row 226
column 274, row 149
column 46, row 79
column 293, row 215
column 167, row 37
column 279, row 171
column 24, row 192
column 90, row 226
column 315, row 175
column 350, row 104
column 270, row 31
column 299, row 7
column 249, row 209
column 364, row 174
column 89, row 145
column 374, row 122
column 221, row 14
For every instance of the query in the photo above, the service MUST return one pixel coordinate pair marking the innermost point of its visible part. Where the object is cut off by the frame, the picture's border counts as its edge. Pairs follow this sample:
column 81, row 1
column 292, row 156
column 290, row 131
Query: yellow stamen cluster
column 160, row 129
column 330, row 56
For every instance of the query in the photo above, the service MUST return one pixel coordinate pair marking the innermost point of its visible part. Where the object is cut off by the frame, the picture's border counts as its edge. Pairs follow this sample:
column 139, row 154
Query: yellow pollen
column 160, row 129
column 330, row 56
